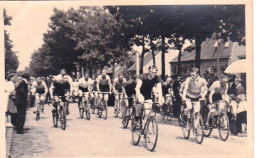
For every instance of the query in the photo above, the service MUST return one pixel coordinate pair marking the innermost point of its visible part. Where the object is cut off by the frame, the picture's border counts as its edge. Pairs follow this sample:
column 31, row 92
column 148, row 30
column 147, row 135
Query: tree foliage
column 11, row 59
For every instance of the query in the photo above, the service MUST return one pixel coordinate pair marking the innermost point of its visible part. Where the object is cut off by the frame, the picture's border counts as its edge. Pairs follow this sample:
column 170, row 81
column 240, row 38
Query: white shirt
column 85, row 84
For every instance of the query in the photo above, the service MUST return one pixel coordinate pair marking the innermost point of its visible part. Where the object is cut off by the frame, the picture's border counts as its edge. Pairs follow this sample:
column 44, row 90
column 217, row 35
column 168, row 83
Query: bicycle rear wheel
column 223, row 126
column 136, row 129
column 81, row 109
column 104, row 110
column 207, row 132
column 184, row 126
column 151, row 133
column 198, row 128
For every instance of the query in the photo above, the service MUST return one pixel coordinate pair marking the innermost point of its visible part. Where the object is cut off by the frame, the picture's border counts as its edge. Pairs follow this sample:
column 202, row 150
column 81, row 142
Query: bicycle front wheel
column 104, row 110
column 37, row 113
column 198, row 128
column 223, row 126
column 136, row 129
column 126, row 117
column 151, row 133
column 81, row 110
column 55, row 117
column 87, row 111
column 63, row 117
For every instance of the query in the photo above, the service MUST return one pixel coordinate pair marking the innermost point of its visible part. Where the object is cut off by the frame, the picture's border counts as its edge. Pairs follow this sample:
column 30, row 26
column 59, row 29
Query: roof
column 147, row 58
column 208, row 51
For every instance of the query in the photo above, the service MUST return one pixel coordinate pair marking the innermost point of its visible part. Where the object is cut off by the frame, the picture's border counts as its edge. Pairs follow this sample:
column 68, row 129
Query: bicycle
column 102, row 107
column 127, row 112
column 39, row 105
column 167, row 109
column 195, row 122
column 150, row 135
column 93, row 102
column 120, row 105
column 84, row 106
column 60, row 111
column 220, row 121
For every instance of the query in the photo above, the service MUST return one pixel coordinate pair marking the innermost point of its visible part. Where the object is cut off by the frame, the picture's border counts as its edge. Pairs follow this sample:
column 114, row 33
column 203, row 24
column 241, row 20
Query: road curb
column 9, row 137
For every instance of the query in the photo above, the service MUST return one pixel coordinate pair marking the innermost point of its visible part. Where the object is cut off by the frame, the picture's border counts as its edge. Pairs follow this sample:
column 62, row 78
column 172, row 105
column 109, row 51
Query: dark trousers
column 13, row 119
column 20, row 118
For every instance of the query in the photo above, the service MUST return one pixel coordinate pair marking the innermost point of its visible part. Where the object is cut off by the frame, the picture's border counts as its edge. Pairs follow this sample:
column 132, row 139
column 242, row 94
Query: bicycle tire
column 55, row 118
column 104, row 111
column 151, row 123
column 221, row 121
column 200, row 127
column 126, row 118
column 207, row 132
column 92, row 106
column 185, row 130
column 87, row 111
column 122, row 108
column 37, row 113
column 136, row 129
column 81, row 110
column 63, row 117
column 100, row 109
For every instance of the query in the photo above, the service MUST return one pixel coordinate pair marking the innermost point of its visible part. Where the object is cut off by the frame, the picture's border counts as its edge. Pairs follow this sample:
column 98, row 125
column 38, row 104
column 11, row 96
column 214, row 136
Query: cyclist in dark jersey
column 144, row 86
column 61, row 86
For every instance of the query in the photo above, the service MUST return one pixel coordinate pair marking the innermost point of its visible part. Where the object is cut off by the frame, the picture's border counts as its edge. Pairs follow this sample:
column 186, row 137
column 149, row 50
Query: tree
column 11, row 59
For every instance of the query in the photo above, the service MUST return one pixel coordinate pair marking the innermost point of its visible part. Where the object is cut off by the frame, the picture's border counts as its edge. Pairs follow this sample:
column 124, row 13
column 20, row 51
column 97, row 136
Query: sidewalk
column 8, row 136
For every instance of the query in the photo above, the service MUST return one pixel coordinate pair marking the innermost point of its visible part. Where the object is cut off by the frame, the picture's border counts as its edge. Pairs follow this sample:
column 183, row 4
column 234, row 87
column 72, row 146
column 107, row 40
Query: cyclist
column 118, row 88
column 194, row 90
column 144, row 87
column 61, row 86
column 39, row 87
column 167, row 91
column 129, row 92
column 75, row 89
column 218, row 91
column 85, row 87
column 103, row 85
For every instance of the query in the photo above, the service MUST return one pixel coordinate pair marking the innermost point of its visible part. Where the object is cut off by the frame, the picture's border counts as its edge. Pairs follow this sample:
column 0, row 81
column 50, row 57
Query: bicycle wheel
column 87, row 111
column 198, row 128
column 207, row 132
column 136, row 129
column 223, row 126
column 122, row 109
column 92, row 106
column 81, row 109
column 151, row 133
column 63, row 117
column 126, row 117
column 37, row 113
column 185, row 128
column 169, row 113
column 104, row 110
column 55, row 117
column 100, row 109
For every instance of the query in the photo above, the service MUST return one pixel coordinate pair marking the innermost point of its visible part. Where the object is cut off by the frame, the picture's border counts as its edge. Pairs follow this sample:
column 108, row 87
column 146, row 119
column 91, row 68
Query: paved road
column 99, row 137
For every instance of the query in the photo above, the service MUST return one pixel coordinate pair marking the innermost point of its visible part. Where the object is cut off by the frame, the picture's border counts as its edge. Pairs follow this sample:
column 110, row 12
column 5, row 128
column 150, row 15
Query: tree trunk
column 179, row 63
column 91, row 68
column 152, row 48
column 198, row 51
column 163, row 57
column 142, row 60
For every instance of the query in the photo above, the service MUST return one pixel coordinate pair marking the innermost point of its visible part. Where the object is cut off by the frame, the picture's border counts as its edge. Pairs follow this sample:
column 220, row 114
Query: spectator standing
column 21, row 101
column 176, row 92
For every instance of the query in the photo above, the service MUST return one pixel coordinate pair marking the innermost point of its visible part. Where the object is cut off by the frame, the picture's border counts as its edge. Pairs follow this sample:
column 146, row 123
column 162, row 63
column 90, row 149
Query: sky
column 30, row 21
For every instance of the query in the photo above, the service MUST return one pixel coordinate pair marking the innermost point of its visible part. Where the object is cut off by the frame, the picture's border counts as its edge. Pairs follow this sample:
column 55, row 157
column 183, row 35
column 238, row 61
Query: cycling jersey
column 118, row 84
column 39, row 88
column 195, row 86
column 84, row 85
column 148, row 84
column 130, row 87
column 219, row 90
column 60, row 86
column 104, row 82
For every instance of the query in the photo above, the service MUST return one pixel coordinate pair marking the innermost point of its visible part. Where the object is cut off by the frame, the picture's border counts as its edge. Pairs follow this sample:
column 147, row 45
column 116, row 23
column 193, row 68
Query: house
column 148, row 61
column 211, row 52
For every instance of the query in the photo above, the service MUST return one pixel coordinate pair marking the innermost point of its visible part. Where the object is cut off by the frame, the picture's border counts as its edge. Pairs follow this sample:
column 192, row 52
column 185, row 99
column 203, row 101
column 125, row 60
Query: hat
column 25, row 75
column 10, row 75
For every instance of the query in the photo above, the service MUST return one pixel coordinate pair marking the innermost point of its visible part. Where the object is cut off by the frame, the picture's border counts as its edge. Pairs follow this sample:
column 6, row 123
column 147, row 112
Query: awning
column 239, row 66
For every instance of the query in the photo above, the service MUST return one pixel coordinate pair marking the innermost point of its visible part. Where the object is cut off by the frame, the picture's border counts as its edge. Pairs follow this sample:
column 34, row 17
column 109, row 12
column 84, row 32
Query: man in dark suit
column 21, row 102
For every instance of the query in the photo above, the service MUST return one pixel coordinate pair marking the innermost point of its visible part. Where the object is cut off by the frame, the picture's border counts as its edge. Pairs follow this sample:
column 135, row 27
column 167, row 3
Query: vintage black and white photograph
column 126, row 80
